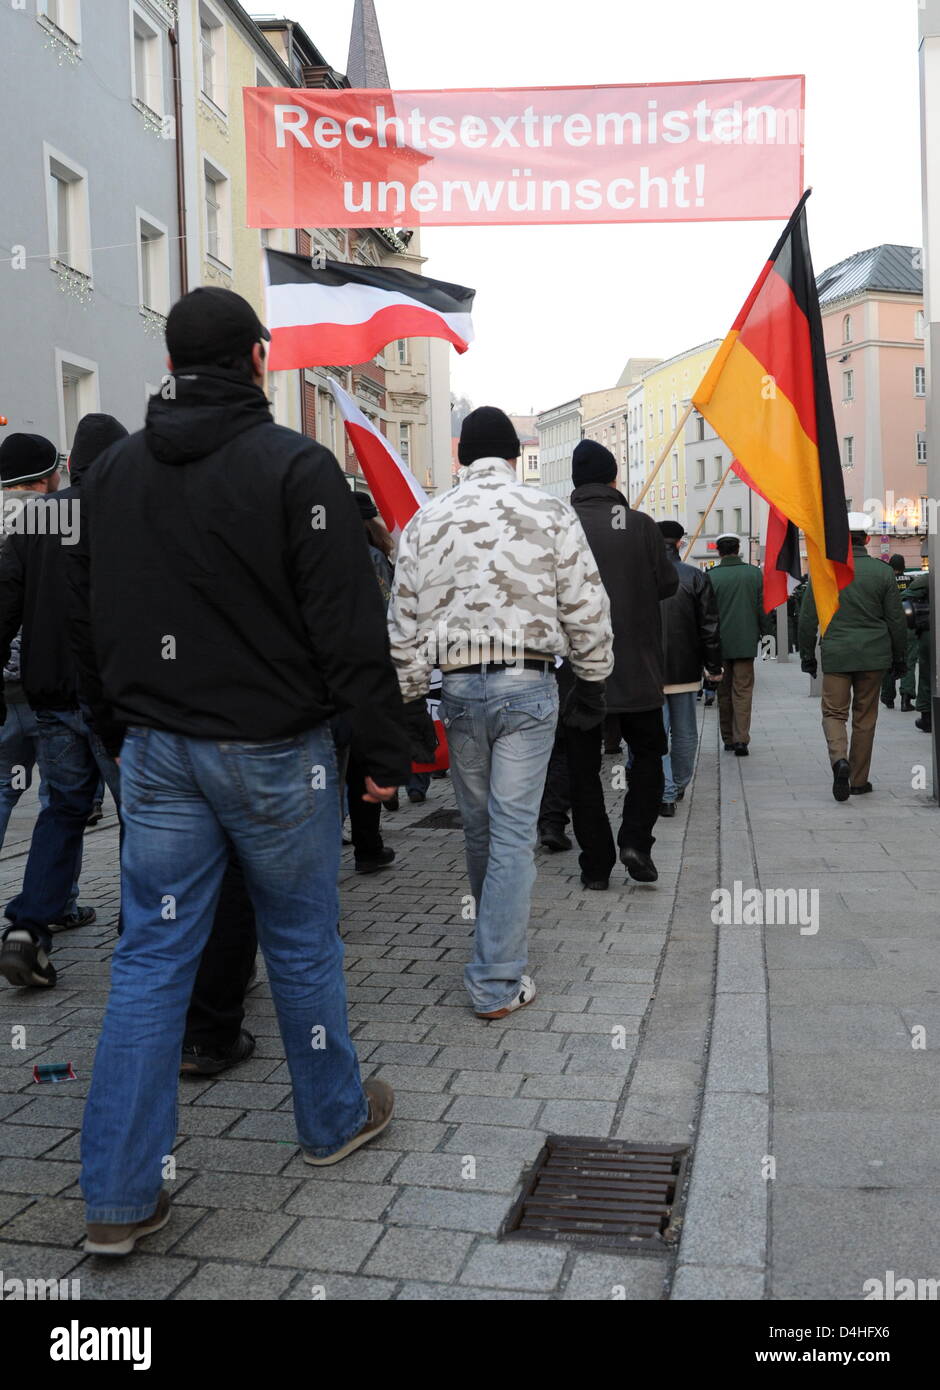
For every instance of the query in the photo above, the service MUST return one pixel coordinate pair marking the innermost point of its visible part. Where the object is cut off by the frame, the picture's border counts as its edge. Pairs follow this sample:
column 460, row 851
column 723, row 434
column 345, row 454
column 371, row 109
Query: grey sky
column 560, row 309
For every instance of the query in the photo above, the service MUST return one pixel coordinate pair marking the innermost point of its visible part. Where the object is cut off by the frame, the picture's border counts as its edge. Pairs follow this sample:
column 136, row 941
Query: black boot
column 907, row 704
column 925, row 722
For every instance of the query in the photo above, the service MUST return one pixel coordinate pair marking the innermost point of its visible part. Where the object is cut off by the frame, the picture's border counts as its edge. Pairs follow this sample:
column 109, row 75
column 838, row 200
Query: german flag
column 767, row 395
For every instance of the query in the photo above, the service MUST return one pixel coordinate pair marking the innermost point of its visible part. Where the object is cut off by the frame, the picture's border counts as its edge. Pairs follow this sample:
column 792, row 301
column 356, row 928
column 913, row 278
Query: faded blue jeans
column 183, row 799
column 500, row 728
column 681, row 724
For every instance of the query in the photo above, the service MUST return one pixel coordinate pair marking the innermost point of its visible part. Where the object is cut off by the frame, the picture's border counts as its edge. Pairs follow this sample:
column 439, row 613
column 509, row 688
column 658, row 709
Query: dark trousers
column 217, row 1006
column 556, row 797
column 646, row 737
column 364, row 816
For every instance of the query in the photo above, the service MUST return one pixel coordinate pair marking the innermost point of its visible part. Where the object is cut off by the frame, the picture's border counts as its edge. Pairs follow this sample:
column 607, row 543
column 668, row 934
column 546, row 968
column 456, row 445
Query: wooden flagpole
column 714, row 499
column 664, row 455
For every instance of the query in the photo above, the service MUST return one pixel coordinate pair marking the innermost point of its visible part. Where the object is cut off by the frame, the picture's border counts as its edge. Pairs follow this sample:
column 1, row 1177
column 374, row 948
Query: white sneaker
column 525, row 996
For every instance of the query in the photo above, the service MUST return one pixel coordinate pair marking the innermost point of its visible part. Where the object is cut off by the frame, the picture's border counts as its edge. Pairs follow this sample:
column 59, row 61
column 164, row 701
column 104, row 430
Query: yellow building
column 223, row 51
column 667, row 391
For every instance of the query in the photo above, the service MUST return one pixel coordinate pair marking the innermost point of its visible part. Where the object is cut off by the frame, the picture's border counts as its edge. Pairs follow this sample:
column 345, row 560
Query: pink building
column 873, row 322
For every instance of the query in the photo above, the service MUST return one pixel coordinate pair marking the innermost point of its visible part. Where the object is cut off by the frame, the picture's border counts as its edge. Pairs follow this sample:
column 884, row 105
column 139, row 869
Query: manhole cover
column 445, row 819
column 599, row 1192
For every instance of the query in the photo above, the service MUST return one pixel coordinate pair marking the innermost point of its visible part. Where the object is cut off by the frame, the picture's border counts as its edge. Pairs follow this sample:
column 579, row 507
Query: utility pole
column 929, row 11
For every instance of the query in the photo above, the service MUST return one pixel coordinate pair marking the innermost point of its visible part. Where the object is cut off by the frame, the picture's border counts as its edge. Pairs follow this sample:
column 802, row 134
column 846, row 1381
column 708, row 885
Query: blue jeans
column 183, row 800
column 500, row 728
column 71, row 760
column 681, row 724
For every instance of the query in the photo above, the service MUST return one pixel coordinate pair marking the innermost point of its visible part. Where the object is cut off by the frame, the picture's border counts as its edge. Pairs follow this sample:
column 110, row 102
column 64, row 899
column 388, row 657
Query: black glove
column 585, row 706
column 898, row 668
column 420, row 731
column 811, row 667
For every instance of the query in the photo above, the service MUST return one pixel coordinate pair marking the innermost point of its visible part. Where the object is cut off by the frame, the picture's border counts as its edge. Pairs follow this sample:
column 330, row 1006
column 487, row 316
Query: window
column 328, row 421
column 661, row 419
column 700, row 424
column 848, row 504
column 147, row 86
column 404, row 444
column 154, row 264
column 675, row 468
column 847, row 329
column 402, row 352
column 719, row 522
column 67, row 209
column 77, row 392
column 700, row 470
column 651, row 425
column 921, row 447
column 212, row 55
column 738, row 520
column 675, row 415
column 218, row 213
column 66, row 15
column 848, row 451
column 920, row 381
column 848, row 386
column 920, row 324
column 719, row 467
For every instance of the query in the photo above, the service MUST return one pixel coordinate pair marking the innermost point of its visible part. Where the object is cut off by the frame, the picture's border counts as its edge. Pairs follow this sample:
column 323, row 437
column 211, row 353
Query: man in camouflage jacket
column 493, row 581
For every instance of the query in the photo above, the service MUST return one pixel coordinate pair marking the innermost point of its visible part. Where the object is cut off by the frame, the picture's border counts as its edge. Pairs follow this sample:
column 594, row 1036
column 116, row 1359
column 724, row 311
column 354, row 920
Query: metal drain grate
column 601, row 1193
column 448, row 818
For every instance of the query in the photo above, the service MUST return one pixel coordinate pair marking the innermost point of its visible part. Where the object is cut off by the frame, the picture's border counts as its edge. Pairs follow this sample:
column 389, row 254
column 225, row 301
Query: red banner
column 683, row 152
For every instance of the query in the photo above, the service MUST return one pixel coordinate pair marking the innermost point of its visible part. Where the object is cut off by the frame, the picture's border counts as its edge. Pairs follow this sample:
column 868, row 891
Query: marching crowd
column 231, row 642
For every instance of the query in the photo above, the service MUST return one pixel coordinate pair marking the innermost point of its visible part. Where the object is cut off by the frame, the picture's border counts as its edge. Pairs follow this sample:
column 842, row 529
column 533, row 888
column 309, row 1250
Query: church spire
column 366, row 64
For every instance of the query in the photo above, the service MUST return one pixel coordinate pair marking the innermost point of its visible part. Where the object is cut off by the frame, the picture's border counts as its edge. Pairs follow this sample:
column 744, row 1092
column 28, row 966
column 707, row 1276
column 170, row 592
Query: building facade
column 89, row 221
column 559, row 430
column 735, row 510
column 527, row 465
column 667, row 391
column 873, row 323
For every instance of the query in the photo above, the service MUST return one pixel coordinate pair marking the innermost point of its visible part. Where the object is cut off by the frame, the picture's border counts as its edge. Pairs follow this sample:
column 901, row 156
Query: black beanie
column 487, row 434
column 671, row 530
column 592, row 463
column 93, row 434
column 367, row 508
column 25, row 458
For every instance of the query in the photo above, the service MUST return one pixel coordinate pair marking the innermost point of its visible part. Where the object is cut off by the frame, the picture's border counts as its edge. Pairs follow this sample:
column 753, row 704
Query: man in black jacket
column 71, row 762
column 637, row 574
column 690, row 643
column 225, row 608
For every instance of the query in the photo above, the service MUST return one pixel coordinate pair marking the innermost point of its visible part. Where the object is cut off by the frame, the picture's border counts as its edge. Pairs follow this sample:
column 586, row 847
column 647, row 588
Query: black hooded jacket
column 222, row 587
column 636, row 572
column 690, row 626
column 40, row 528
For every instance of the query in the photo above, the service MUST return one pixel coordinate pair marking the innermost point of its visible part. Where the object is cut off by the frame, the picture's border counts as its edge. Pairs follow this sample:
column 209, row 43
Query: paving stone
column 230, row 1155
column 448, row 1209
column 19, row 1261
column 28, row 1141
column 492, row 1110
column 34, row 1176
column 406, row 1252
column 482, row 1083
column 587, row 1117
column 236, row 1235
column 327, row 1244
column 484, row 1172
column 500, row 1140
column 340, row 1288
column 243, row 1191
column 515, row 1265
column 245, row 1095
column 50, row 1221
column 358, row 1200
column 616, row 1277
column 460, row 1293
column 414, row 1078
column 143, row 1277
column 226, row 1282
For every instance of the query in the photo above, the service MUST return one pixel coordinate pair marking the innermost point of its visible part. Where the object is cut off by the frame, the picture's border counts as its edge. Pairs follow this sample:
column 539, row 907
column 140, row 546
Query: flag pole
column 664, row 455
column 714, row 499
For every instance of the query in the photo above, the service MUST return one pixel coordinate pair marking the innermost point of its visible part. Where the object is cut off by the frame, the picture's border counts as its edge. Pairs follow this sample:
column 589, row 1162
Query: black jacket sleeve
column 706, row 615
column 12, row 590
column 665, row 572
column 334, row 582
column 78, row 600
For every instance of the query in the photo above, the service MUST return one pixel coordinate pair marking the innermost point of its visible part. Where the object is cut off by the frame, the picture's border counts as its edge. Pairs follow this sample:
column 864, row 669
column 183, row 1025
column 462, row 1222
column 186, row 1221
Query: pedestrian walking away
column 739, row 589
column 493, row 580
column 222, row 631
column 637, row 574
column 866, row 637
column 691, row 644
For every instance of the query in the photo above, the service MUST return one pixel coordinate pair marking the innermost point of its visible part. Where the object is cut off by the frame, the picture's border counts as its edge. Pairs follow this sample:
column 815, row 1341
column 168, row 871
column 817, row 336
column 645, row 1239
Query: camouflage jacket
column 494, row 570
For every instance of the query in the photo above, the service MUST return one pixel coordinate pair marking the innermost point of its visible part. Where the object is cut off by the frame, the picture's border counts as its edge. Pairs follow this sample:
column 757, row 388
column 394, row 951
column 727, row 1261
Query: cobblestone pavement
column 415, row 1214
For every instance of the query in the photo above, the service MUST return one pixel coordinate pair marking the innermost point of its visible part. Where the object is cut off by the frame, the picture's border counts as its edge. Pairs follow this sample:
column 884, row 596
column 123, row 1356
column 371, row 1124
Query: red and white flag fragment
column 395, row 489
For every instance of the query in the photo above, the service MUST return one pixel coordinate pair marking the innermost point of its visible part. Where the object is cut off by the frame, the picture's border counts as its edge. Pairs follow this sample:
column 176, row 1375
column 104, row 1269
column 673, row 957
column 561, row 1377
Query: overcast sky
column 560, row 309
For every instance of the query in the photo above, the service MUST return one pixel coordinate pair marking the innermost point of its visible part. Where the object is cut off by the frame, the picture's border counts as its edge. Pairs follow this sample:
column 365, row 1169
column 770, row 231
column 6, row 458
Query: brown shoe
column 108, row 1238
column 381, row 1100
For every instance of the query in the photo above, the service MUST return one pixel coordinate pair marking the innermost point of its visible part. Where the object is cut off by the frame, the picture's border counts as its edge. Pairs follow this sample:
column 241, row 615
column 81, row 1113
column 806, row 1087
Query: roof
column 890, row 269
column 366, row 63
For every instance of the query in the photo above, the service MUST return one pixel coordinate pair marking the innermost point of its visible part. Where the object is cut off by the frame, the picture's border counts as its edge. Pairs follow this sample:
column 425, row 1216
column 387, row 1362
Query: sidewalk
column 414, row 1215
